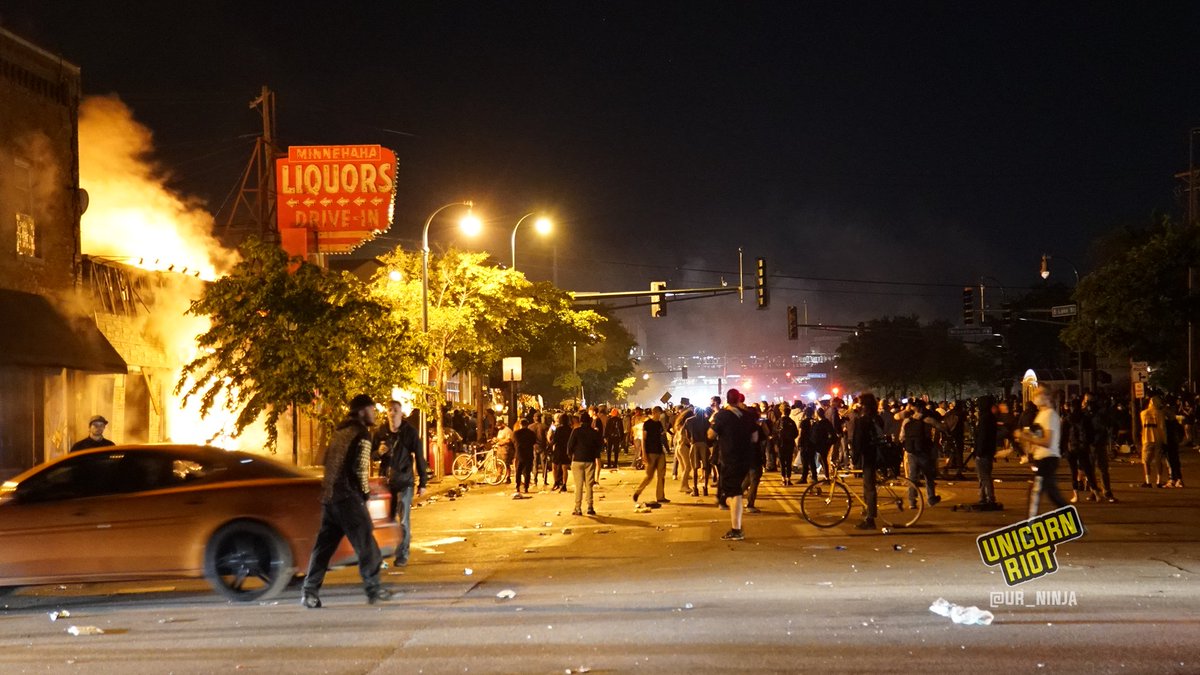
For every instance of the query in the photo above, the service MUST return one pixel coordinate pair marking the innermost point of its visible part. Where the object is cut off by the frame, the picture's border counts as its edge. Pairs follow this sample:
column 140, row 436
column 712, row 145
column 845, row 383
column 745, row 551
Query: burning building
column 99, row 261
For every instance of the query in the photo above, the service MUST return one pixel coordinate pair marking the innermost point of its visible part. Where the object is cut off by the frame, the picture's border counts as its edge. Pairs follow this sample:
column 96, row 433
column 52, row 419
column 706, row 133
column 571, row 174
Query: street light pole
column 424, row 422
column 425, row 262
column 1046, row 275
column 542, row 225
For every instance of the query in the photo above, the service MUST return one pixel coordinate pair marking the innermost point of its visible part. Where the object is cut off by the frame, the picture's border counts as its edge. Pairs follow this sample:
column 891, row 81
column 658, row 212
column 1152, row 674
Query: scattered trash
column 85, row 630
column 886, row 530
column 827, row 584
column 897, row 547
column 531, row 550
column 518, row 495
column 468, row 572
column 566, row 530
column 688, row 605
column 59, row 614
column 506, row 594
column 603, row 531
column 839, row 548
column 966, row 616
column 548, row 524
column 479, row 526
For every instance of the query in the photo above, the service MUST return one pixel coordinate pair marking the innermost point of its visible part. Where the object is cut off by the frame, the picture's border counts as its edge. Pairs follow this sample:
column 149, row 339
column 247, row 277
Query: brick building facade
column 56, row 367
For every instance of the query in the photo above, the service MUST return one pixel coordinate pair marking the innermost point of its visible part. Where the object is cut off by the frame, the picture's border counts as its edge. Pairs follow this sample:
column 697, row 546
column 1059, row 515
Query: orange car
column 242, row 521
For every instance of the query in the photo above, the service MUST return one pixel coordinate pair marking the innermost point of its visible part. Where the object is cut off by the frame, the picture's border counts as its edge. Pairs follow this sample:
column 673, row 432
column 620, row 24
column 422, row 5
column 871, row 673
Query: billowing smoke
column 132, row 215
column 135, row 218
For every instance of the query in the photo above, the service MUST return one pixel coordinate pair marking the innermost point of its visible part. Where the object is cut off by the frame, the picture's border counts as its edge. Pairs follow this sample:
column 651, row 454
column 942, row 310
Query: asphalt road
column 660, row 592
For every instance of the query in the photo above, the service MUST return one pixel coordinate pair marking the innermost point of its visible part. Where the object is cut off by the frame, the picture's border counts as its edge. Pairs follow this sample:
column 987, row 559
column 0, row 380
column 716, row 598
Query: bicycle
column 827, row 503
column 482, row 461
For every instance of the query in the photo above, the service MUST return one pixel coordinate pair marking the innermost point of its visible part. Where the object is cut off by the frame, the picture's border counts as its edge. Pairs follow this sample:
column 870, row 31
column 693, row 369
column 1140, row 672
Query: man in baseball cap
column 95, row 438
column 345, row 491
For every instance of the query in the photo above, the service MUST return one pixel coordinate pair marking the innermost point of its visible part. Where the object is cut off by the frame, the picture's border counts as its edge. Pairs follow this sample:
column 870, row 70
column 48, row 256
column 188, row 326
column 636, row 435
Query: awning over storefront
column 37, row 335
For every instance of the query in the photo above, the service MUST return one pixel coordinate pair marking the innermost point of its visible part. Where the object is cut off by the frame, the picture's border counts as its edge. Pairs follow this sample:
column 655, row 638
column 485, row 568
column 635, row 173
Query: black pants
column 750, row 484
column 1083, row 471
column 868, row 478
column 808, row 461
column 1045, row 484
column 612, row 452
column 1171, row 450
column 348, row 518
column 1100, row 455
column 524, row 469
column 786, row 450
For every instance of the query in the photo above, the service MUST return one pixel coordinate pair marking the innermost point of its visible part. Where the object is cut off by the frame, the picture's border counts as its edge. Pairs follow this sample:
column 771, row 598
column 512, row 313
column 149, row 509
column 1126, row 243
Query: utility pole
column 1191, row 216
column 253, row 210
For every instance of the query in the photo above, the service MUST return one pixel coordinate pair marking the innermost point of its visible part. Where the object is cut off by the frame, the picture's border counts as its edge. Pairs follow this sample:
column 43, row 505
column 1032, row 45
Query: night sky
column 906, row 142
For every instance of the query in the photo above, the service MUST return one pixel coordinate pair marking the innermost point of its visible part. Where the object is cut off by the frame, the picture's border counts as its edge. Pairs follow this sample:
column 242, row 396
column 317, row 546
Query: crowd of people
column 728, row 445
column 921, row 438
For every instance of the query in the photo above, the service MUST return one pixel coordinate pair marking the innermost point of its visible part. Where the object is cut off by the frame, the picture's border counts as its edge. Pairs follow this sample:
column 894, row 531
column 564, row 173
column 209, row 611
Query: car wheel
column 246, row 561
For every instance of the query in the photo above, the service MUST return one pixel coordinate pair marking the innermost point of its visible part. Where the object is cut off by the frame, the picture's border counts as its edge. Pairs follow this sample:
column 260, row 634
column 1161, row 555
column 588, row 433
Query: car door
column 55, row 527
column 154, row 518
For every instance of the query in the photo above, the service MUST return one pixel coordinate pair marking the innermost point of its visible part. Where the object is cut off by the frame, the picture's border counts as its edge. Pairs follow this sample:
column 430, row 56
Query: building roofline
column 55, row 58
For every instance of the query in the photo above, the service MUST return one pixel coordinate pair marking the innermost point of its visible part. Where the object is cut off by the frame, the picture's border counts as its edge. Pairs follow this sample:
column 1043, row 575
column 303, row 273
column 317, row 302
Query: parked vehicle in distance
column 242, row 521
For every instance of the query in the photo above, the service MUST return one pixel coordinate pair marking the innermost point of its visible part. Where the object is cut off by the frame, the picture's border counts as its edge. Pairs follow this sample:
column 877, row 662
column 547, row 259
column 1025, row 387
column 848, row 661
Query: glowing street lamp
column 1045, row 271
column 470, row 226
column 542, row 226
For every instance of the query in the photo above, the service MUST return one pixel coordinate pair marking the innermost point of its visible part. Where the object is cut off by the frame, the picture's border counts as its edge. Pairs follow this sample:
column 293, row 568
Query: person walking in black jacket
column 400, row 448
column 986, row 433
column 584, row 447
column 344, row 493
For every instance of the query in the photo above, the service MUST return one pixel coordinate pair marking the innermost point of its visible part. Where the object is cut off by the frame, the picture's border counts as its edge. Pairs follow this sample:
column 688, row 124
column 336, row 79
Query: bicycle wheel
column 900, row 501
column 463, row 467
column 825, row 504
column 494, row 471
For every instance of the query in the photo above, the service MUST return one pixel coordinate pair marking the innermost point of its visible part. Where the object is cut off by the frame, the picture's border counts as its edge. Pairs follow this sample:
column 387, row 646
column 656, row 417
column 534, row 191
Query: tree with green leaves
column 563, row 361
column 1137, row 304
column 285, row 333
column 478, row 314
column 898, row 354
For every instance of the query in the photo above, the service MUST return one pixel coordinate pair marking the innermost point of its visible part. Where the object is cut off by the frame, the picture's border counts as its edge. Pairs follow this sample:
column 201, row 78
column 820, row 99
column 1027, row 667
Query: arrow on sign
column 326, row 202
column 360, row 201
column 343, row 201
column 292, row 202
column 309, row 202
column 377, row 201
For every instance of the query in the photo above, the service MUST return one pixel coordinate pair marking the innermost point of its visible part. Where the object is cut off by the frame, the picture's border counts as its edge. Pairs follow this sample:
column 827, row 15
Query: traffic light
column 762, row 296
column 968, row 305
column 683, row 371
column 658, row 303
column 1006, row 313
column 793, row 319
